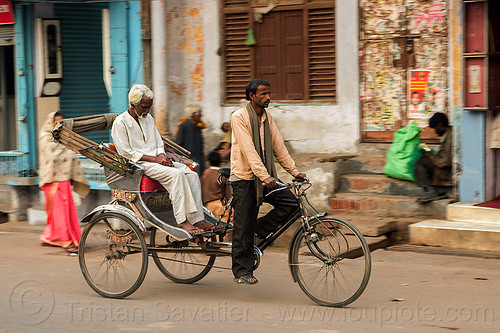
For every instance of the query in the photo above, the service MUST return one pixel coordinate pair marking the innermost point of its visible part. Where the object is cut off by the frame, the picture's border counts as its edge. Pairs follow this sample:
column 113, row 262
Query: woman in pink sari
column 59, row 168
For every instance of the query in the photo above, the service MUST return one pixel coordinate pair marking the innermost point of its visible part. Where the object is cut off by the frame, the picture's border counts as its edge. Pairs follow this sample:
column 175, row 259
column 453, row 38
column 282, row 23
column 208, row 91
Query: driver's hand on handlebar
column 300, row 176
column 270, row 182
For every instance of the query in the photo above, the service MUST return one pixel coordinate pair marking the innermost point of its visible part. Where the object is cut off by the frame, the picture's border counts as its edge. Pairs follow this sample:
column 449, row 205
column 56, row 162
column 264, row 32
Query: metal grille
column 92, row 170
column 14, row 164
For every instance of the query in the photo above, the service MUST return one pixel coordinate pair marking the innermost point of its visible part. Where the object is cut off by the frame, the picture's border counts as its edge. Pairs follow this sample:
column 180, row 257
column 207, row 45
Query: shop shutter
column 83, row 91
column 6, row 34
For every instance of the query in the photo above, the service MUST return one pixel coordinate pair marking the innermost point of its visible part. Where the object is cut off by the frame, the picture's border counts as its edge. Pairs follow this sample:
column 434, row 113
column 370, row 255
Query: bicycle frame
column 303, row 213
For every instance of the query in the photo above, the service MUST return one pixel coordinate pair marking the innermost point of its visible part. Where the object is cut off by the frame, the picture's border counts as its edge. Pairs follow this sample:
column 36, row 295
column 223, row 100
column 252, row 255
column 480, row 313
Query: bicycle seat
column 226, row 172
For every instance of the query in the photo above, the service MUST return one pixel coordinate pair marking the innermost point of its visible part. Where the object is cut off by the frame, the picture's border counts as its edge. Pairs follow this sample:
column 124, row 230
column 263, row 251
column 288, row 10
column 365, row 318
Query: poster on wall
column 417, row 88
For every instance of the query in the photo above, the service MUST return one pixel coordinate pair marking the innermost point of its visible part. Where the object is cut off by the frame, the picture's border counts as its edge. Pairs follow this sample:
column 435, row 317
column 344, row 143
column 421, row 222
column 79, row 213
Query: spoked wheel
column 331, row 262
column 184, row 262
column 113, row 255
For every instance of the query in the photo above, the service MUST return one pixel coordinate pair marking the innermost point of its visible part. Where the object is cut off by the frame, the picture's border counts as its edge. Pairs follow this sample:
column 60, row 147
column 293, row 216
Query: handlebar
column 283, row 186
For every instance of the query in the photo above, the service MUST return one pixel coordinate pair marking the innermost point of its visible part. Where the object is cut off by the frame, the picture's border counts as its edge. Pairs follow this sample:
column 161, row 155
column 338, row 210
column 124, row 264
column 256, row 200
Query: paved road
column 44, row 291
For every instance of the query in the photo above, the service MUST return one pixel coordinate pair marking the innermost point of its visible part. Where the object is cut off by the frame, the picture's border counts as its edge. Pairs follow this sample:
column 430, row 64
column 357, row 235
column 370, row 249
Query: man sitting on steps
column 433, row 171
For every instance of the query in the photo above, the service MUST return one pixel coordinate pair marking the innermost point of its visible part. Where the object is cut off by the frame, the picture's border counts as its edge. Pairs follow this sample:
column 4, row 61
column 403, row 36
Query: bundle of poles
column 92, row 150
column 102, row 154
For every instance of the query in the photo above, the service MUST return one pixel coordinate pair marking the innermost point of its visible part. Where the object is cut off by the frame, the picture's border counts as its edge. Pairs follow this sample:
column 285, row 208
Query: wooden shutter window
column 322, row 78
column 238, row 56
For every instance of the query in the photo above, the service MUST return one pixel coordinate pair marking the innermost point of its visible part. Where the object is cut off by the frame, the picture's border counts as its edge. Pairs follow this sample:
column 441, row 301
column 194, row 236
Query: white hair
column 192, row 109
column 137, row 92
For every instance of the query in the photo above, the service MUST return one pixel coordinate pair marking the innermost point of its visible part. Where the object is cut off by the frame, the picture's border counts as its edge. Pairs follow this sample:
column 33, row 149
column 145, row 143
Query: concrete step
column 37, row 216
column 374, row 183
column 484, row 236
column 364, row 165
column 386, row 205
column 5, row 195
column 466, row 211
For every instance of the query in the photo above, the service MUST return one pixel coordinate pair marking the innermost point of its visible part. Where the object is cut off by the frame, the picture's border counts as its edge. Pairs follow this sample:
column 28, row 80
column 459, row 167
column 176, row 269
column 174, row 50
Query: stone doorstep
column 364, row 165
column 484, row 236
column 386, row 205
column 466, row 211
column 380, row 184
column 445, row 251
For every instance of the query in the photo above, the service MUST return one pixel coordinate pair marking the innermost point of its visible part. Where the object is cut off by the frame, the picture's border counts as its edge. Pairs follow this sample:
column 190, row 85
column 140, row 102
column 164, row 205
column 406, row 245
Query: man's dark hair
column 58, row 113
column 253, row 85
column 214, row 158
column 438, row 118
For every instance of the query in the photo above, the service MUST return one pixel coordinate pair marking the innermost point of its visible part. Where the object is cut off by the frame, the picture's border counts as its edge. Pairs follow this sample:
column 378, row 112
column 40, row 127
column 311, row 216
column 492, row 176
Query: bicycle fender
column 117, row 209
column 295, row 235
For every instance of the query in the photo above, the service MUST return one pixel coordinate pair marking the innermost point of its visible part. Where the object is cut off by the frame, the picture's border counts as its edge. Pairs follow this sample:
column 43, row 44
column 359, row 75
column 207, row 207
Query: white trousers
column 183, row 186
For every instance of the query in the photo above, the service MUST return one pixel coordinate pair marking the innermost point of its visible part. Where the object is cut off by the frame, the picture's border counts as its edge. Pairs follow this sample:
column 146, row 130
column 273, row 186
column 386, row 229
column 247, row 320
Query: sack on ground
column 404, row 153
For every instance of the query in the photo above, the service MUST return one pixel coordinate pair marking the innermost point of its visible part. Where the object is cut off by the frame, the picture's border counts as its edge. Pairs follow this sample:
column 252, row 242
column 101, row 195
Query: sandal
column 214, row 228
column 48, row 244
column 195, row 231
column 246, row 279
column 71, row 249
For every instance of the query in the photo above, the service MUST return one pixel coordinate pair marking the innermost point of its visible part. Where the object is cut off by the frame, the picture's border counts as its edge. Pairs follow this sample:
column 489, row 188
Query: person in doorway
column 212, row 190
column 188, row 134
column 433, row 171
column 136, row 137
column 59, row 169
column 224, row 147
column 255, row 140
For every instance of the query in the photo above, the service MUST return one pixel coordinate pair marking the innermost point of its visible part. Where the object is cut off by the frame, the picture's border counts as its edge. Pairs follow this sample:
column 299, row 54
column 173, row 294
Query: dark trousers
column 424, row 172
column 246, row 224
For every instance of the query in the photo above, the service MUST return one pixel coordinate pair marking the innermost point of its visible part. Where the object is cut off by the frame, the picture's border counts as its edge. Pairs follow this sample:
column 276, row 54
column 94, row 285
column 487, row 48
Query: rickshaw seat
column 147, row 184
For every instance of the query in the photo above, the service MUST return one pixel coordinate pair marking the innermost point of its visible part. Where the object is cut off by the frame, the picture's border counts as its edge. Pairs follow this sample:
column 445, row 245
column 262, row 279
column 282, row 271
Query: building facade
column 343, row 72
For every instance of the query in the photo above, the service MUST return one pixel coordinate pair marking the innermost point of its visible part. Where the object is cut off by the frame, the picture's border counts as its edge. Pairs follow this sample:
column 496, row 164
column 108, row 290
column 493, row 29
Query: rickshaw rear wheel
column 113, row 255
column 184, row 264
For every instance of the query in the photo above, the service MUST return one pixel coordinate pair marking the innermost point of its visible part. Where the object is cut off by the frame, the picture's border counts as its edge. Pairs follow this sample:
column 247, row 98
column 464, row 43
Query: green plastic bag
column 404, row 153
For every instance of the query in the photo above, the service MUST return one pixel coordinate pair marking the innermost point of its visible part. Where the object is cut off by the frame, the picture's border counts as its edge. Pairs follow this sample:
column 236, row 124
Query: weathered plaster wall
column 332, row 128
column 194, row 75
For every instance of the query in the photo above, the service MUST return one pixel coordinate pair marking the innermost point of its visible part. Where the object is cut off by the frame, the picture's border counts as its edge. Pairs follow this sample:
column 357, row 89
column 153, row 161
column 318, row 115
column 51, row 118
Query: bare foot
column 186, row 225
column 191, row 228
column 204, row 225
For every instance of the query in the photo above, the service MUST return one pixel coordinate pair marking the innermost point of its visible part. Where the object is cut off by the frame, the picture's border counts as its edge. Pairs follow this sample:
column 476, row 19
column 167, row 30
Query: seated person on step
column 136, row 137
column 433, row 171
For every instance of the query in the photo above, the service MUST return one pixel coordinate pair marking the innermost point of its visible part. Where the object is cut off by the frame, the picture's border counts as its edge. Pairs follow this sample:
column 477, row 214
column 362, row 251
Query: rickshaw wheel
column 180, row 266
column 113, row 255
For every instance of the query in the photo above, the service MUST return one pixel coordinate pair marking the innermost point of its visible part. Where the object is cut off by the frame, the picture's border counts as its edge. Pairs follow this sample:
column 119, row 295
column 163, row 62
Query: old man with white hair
column 136, row 137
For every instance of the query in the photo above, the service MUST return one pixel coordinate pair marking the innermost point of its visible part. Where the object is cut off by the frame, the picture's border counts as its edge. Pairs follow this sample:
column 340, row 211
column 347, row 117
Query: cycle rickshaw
column 328, row 257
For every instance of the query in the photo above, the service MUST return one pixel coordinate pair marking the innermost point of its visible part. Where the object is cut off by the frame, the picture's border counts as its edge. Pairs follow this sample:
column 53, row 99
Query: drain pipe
column 159, row 64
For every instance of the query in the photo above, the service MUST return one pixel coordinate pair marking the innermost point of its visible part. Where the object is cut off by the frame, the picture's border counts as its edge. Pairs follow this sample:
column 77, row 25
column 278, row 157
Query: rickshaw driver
column 256, row 141
column 136, row 137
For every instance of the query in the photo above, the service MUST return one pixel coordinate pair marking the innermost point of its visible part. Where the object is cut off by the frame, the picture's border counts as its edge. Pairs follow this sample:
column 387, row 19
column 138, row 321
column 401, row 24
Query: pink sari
column 63, row 226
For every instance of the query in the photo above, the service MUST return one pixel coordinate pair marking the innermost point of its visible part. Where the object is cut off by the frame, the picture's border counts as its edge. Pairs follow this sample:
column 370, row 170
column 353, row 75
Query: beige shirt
column 245, row 161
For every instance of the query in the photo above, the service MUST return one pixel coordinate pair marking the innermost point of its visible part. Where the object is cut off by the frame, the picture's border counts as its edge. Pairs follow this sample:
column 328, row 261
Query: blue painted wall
column 126, row 51
column 24, row 85
column 126, row 58
column 471, row 184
